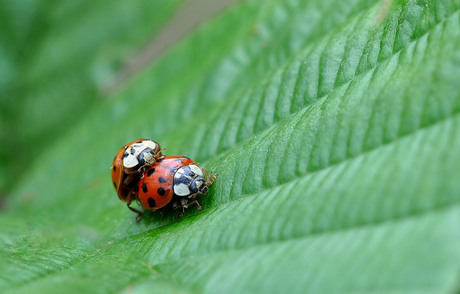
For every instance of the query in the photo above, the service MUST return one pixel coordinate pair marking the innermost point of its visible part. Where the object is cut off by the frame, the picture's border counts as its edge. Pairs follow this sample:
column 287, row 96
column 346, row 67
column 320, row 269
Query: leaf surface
column 334, row 127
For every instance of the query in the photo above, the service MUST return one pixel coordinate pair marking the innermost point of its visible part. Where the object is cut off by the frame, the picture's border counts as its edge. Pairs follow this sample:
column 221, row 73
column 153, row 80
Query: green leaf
column 54, row 59
column 334, row 128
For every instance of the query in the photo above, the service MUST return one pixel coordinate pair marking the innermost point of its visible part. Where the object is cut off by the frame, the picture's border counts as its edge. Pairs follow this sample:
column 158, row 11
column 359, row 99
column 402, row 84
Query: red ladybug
column 173, row 179
column 129, row 165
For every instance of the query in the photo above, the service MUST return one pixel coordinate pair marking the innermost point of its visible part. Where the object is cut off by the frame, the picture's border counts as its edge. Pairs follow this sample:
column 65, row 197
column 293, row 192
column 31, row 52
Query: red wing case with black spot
column 156, row 187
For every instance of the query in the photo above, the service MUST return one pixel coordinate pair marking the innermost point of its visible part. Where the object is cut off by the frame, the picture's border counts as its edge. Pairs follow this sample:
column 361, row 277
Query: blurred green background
column 333, row 125
column 58, row 58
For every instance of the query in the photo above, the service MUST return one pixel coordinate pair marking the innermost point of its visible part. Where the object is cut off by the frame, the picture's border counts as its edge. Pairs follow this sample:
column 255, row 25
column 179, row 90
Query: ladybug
column 129, row 165
column 173, row 179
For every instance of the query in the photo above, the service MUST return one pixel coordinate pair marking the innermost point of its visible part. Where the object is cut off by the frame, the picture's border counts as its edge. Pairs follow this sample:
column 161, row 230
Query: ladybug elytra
column 129, row 165
column 174, row 179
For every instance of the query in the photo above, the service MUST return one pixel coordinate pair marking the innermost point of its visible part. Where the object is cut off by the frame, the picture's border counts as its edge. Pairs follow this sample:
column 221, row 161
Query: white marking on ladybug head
column 137, row 150
column 197, row 170
column 130, row 161
column 150, row 144
column 179, row 173
column 181, row 190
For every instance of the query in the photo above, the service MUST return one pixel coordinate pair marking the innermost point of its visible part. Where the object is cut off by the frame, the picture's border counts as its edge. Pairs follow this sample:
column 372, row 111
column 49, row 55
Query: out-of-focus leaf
column 55, row 56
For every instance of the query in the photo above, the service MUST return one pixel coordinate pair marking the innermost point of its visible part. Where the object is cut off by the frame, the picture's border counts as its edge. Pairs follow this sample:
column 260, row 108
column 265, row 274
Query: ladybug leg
column 182, row 205
column 175, row 205
column 139, row 213
column 193, row 201
column 209, row 176
column 198, row 206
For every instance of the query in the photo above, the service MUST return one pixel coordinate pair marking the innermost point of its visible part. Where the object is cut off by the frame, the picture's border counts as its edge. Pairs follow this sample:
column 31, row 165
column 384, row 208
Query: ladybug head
column 141, row 155
column 199, row 186
column 147, row 157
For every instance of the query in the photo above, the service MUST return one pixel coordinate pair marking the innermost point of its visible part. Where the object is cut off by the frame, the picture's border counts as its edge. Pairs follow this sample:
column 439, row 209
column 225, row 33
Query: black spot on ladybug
column 161, row 191
column 125, row 154
column 115, row 185
column 114, row 168
column 144, row 188
column 132, row 151
column 151, row 202
column 161, row 180
column 150, row 172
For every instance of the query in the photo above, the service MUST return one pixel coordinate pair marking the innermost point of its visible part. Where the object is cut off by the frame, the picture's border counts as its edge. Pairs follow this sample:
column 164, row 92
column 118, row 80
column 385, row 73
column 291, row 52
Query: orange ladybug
column 129, row 165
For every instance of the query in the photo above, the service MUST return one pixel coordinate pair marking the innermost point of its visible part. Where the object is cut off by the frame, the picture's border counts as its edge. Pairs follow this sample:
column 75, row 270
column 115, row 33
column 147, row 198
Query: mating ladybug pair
column 141, row 172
